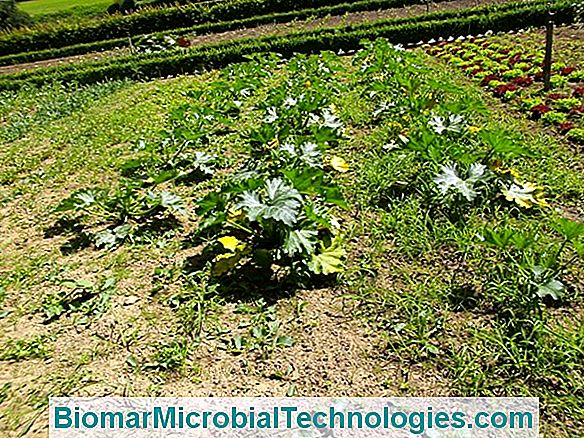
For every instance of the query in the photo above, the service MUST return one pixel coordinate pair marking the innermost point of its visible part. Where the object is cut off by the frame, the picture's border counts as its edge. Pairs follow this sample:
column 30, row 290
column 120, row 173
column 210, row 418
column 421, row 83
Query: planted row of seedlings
column 516, row 76
column 409, row 30
column 177, row 36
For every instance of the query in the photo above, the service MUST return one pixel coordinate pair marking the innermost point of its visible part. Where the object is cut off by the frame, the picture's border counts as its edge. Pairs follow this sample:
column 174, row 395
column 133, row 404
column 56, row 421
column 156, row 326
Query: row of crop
column 213, row 27
column 512, row 74
column 136, row 59
column 161, row 65
column 169, row 3
column 154, row 20
column 401, row 30
column 276, row 208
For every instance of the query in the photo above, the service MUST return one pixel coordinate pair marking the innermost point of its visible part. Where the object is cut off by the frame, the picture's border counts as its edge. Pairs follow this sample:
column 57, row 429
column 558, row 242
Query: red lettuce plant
column 556, row 96
column 538, row 110
column 485, row 81
column 476, row 71
column 502, row 89
column 567, row 70
column 515, row 59
column 522, row 81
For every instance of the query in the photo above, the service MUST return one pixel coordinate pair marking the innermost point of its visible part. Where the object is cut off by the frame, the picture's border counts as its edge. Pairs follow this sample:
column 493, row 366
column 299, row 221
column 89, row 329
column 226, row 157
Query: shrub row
column 284, row 17
column 153, row 20
column 11, row 16
column 348, row 37
column 77, row 49
column 222, row 26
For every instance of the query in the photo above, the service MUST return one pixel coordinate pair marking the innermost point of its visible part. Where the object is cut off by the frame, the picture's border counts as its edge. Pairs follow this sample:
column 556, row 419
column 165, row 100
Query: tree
column 123, row 6
column 11, row 17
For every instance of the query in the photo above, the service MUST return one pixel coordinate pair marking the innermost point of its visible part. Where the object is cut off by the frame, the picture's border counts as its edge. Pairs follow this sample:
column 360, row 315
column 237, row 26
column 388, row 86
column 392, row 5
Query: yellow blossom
column 230, row 243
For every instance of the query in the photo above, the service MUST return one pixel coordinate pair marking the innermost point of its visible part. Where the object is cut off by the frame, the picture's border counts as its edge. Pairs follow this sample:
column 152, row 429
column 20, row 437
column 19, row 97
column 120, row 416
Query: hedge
column 345, row 38
column 153, row 20
column 432, row 16
column 222, row 26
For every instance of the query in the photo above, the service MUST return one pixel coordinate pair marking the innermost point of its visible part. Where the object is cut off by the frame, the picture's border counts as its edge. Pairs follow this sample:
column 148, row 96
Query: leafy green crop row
column 502, row 18
column 199, row 29
column 275, row 210
column 512, row 75
column 155, row 20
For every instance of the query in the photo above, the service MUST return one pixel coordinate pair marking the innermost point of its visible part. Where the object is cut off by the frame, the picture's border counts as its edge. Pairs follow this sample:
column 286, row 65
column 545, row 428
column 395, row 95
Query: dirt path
column 339, row 20
column 6, row 69
column 272, row 30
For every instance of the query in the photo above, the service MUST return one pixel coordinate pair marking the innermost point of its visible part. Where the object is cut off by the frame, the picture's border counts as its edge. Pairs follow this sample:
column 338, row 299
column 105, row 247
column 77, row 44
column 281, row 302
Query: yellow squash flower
column 230, row 243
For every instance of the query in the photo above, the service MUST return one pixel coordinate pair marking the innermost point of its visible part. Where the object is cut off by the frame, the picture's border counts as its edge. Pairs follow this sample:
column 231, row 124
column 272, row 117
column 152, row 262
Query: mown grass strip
column 348, row 37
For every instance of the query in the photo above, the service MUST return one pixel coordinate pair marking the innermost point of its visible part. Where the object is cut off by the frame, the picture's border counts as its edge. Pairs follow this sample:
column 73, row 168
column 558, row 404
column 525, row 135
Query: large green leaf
column 250, row 201
column 80, row 200
column 329, row 260
column 109, row 238
column 300, row 241
column 280, row 202
column 570, row 230
column 501, row 144
column 172, row 202
column 311, row 181
column 553, row 288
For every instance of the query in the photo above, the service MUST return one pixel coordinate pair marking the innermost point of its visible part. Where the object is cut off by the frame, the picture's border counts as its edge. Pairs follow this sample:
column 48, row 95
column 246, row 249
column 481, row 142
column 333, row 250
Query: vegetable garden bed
column 515, row 75
column 311, row 225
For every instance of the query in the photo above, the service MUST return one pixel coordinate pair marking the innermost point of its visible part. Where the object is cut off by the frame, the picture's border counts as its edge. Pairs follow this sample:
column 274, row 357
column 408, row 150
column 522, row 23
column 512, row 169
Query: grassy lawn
column 43, row 7
column 440, row 293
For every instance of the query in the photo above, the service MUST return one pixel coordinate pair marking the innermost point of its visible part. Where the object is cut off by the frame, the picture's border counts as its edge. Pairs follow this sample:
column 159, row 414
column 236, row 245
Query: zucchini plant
column 275, row 214
column 122, row 212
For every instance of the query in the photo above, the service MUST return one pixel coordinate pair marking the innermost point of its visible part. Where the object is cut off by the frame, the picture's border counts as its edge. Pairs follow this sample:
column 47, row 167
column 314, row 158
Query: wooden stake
column 547, row 63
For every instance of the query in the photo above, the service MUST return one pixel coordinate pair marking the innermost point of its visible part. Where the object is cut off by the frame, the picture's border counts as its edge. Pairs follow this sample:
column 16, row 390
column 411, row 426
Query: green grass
column 435, row 299
column 23, row 349
column 63, row 8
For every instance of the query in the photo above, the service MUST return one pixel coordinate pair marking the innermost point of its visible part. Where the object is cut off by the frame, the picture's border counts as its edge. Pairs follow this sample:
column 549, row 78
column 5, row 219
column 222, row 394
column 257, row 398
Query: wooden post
column 547, row 63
